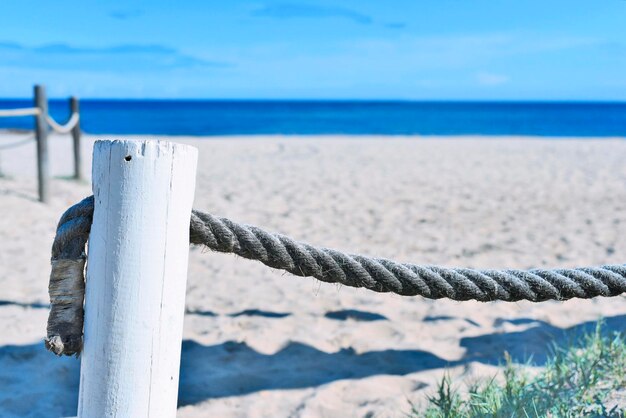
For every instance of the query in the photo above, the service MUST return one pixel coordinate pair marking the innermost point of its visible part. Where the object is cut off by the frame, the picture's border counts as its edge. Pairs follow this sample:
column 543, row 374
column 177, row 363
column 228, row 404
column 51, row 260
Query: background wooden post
column 136, row 278
column 75, row 108
column 41, row 133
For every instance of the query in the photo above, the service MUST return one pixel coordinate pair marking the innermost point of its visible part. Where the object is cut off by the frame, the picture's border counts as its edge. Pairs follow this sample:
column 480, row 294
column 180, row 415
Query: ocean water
column 235, row 117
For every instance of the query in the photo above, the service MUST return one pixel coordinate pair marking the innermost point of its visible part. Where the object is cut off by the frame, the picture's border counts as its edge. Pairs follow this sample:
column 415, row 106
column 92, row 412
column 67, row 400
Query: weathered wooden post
column 75, row 108
column 41, row 133
column 136, row 278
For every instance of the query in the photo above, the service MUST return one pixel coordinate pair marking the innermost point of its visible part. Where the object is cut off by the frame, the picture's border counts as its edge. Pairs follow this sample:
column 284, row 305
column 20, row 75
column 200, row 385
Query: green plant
column 578, row 380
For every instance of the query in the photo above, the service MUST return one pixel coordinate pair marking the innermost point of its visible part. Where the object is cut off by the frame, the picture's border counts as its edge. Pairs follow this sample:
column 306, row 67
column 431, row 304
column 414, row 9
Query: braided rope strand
column 382, row 275
column 66, row 289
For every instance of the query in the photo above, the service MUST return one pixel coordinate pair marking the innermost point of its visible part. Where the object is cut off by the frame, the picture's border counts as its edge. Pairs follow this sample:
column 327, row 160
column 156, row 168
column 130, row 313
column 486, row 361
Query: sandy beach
column 260, row 343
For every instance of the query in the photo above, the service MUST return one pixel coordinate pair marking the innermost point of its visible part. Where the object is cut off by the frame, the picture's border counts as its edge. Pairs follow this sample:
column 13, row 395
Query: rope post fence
column 136, row 278
column 41, row 134
column 43, row 122
column 75, row 109
column 139, row 223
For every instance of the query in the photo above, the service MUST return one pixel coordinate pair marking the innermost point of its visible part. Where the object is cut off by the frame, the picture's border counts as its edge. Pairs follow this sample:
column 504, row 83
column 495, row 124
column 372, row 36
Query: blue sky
column 367, row 49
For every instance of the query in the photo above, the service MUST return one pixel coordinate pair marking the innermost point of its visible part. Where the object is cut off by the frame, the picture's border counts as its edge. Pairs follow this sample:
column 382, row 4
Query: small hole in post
column 128, row 158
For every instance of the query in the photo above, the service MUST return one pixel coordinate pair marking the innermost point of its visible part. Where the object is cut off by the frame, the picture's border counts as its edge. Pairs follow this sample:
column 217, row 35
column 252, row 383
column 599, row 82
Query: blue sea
column 242, row 117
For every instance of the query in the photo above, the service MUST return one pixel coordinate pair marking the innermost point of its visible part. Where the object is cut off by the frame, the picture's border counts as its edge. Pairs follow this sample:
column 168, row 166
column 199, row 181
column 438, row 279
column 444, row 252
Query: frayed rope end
column 67, row 292
column 67, row 346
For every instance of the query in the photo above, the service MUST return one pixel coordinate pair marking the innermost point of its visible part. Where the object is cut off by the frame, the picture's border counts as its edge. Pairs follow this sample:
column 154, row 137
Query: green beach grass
column 586, row 379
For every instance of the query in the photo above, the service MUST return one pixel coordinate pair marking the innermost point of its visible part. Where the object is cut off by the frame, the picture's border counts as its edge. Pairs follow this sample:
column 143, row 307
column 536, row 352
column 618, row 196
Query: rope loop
column 63, row 129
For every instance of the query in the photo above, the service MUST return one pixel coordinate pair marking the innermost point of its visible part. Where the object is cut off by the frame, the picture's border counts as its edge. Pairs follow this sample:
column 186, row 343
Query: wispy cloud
column 491, row 79
column 293, row 10
column 125, row 14
column 128, row 57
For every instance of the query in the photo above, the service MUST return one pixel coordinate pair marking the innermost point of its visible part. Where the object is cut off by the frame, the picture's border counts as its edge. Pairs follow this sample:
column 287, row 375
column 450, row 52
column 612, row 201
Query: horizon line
column 324, row 100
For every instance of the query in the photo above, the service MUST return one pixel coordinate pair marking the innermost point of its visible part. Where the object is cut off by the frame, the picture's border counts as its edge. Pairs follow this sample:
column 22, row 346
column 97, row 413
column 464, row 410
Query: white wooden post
column 136, row 278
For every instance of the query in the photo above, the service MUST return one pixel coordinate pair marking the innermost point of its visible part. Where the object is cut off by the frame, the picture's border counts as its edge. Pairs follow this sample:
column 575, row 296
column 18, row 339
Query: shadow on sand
column 355, row 315
column 247, row 312
column 34, row 305
column 32, row 379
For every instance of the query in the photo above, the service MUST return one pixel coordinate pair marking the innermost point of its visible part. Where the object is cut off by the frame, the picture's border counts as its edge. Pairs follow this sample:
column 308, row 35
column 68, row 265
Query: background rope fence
column 42, row 123
column 331, row 266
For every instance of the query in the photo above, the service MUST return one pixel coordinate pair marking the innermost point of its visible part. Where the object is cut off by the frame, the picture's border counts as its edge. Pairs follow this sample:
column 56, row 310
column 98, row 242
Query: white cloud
column 125, row 57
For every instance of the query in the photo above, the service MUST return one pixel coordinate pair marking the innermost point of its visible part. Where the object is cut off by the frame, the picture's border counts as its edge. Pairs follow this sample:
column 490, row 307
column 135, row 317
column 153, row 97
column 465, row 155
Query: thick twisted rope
column 382, row 275
column 281, row 252
column 63, row 129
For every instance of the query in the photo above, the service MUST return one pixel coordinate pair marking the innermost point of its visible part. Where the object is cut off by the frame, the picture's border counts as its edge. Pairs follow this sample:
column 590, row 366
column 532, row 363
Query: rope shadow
column 355, row 315
column 34, row 305
column 534, row 344
column 259, row 313
column 34, row 383
column 436, row 318
column 232, row 368
column 247, row 312
column 33, row 380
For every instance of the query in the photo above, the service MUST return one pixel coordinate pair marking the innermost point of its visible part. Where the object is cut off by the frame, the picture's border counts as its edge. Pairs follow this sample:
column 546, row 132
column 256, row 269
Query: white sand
column 261, row 343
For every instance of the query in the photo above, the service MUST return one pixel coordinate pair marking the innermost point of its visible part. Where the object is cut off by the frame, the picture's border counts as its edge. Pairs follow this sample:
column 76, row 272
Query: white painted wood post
column 136, row 278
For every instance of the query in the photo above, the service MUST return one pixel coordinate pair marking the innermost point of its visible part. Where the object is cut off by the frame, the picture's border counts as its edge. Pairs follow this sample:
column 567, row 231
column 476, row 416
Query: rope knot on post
column 67, row 280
